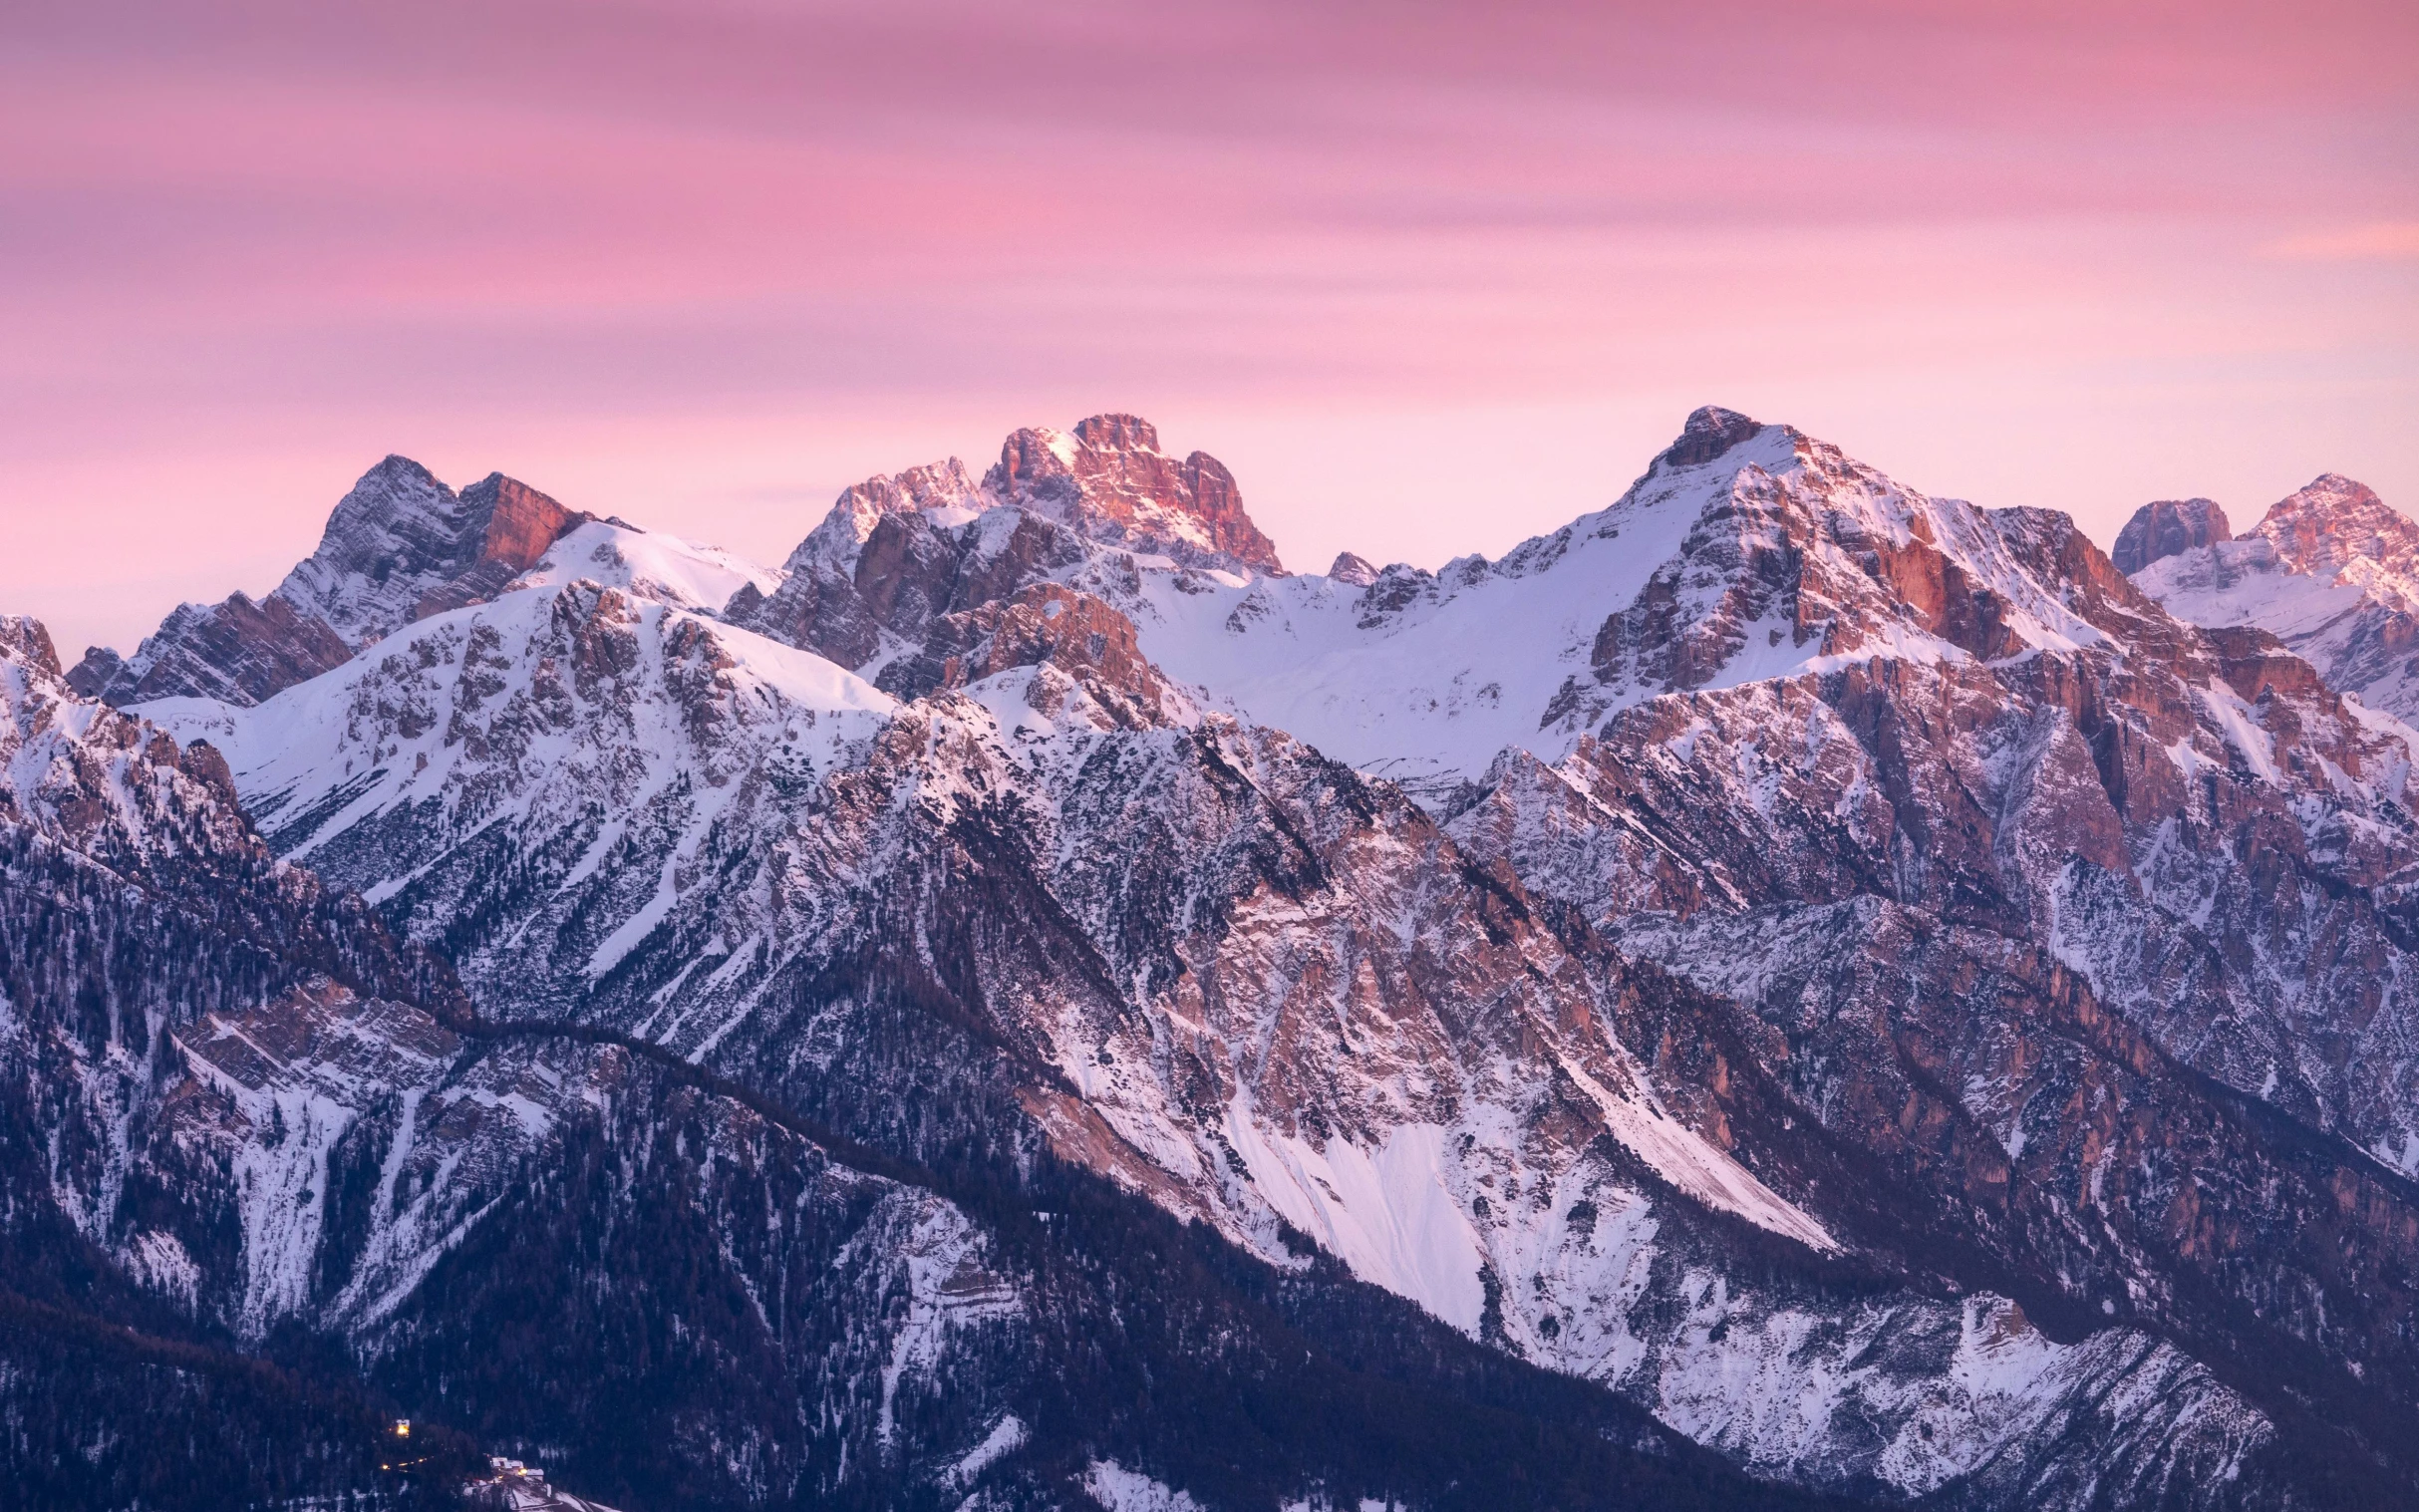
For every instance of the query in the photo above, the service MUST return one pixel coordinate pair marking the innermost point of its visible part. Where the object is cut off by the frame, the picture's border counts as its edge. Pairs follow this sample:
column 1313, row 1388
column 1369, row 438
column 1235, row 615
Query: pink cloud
column 694, row 257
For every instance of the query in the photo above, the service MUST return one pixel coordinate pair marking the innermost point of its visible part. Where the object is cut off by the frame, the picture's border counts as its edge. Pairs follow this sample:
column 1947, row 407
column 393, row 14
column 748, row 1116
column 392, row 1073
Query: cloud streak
column 2395, row 241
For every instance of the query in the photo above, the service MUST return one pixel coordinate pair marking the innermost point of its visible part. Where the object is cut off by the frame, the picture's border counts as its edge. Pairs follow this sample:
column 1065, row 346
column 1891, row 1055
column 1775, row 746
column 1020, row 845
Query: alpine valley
column 1785, row 992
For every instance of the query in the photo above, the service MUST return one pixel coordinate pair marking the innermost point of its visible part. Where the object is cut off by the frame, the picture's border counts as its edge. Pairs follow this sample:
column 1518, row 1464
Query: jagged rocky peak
column 91, row 677
column 1349, row 568
column 945, row 491
column 1709, row 432
column 1109, row 480
column 399, row 547
column 1096, row 507
column 112, row 785
column 402, row 545
column 1118, row 432
column 1778, row 539
column 2333, row 571
column 2167, row 527
column 2333, row 521
column 26, row 639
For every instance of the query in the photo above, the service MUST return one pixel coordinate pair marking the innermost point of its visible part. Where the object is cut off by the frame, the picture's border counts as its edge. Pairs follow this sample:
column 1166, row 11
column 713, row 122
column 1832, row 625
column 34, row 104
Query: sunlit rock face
column 1109, row 480
column 899, row 552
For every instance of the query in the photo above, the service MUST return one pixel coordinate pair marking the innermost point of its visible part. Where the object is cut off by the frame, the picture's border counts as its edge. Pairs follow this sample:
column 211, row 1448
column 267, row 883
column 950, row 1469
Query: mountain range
column 1783, row 992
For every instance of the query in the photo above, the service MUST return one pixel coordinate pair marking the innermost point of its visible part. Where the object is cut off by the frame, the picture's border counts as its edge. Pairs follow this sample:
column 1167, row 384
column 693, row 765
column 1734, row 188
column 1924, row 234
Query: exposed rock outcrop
column 240, row 651
column 2167, row 527
column 1109, row 480
column 899, row 552
column 1043, row 626
column 1348, row 568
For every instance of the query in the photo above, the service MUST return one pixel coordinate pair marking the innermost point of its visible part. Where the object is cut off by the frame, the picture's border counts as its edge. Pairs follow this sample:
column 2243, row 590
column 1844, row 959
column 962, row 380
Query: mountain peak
column 1118, row 432
column 1353, row 570
column 402, row 545
column 399, row 546
column 1710, row 430
column 26, row 639
column 2332, row 521
column 2168, row 527
column 1110, row 481
column 943, row 487
column 395, row 466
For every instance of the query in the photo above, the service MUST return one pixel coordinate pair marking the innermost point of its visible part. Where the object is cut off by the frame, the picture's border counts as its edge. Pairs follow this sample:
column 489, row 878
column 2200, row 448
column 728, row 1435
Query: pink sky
column 1430, row 277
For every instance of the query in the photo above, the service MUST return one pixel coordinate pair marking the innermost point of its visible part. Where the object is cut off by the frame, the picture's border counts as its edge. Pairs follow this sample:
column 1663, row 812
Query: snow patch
column 1119, row 1489
column 1681, row 1156
column 1388, row 1213
column 1005, row 1437
column 160, row 1262
column 649, row 565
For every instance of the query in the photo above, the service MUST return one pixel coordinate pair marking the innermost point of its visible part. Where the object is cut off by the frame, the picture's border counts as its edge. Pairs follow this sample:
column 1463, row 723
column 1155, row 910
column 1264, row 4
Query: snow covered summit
column 2331, row 570
column 399, row 547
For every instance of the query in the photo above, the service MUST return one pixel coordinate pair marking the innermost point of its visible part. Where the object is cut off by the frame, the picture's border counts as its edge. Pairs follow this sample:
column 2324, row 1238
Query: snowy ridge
column 1773, row 1387
column 1427, row 679
column 557, row 711
column 645, row 564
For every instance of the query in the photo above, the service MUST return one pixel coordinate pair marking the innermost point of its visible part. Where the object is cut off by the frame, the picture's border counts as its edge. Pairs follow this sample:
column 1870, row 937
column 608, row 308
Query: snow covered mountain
column 2331, row 572
column 1745, row 554
column 1841, row 975
column 399, row 547
column 246, row 1103
column 239, row 1121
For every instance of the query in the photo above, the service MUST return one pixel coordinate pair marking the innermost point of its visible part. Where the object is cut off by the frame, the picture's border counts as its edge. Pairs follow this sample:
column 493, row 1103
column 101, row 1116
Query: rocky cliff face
column 402, row 545
column 1109, row 480
column 2192, row 819
column 2334, row 522
column 237, row 651
column 2163, row 529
